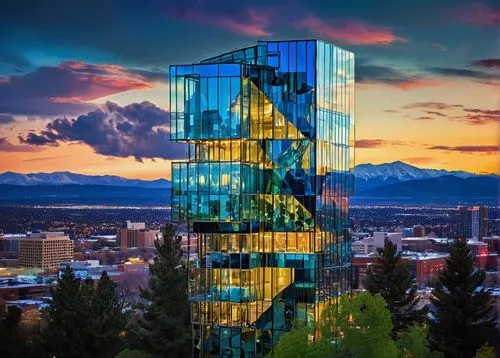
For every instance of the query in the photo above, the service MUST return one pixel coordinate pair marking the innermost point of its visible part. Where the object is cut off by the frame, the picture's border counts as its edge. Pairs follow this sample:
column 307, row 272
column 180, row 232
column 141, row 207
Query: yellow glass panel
column 280, row 242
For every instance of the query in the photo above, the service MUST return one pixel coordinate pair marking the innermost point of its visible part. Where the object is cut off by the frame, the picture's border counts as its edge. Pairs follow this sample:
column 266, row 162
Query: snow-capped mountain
column 68, row 178
column 402, row 172
column 395, row 182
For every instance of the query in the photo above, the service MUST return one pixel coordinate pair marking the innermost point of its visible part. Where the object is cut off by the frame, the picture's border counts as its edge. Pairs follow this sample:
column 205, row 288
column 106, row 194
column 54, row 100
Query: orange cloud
column 248, row 22
column 377, row 143
column 352, row 32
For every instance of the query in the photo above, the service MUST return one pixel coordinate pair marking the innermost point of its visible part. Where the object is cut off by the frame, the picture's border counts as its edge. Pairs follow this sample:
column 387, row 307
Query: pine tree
column 108, row 321
column 84, row 321
column 66, row 332
column 11, row 343
column 390, row 277
column 164, row 330
column 462, row 322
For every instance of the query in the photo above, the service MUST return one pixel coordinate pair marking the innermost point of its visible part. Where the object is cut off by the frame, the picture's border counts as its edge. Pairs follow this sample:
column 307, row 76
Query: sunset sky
column 73, row 72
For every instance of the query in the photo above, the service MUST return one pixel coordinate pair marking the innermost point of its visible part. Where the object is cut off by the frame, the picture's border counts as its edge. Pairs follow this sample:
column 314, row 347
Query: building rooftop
column 47, row 235
column 412, row 255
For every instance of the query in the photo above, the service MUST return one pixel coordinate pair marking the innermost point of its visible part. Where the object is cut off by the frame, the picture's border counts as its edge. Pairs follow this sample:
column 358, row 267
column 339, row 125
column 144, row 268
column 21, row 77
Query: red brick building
column 424, row 267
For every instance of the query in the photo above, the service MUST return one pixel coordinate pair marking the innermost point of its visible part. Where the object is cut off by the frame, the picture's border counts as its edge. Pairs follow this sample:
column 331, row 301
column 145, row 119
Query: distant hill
column 446, row 189
column 388, row 183
column 83, row 195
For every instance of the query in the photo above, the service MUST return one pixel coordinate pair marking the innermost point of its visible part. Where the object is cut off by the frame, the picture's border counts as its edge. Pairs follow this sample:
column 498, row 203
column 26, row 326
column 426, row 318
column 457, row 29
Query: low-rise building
column 423, row 267
column 479, row 252
column 370, row 244
column 45, row 250
column 136, row 236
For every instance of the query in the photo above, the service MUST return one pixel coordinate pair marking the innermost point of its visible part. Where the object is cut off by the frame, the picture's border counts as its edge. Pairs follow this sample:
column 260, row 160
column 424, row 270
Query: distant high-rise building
column 472, row 222
column 45, row 250
column 136, row 236
column 265, row 189
column 9, row 244
column 418, row 231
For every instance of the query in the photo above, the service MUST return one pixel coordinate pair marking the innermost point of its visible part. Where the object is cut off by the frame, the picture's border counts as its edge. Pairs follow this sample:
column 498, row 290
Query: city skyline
column 426, row 75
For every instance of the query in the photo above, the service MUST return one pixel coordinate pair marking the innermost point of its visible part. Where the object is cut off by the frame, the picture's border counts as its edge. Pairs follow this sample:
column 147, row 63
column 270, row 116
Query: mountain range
column 388, row 183
column 68, row 178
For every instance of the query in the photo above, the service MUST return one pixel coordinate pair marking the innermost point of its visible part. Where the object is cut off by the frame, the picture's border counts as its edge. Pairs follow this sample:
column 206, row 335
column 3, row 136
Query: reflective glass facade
column 265, row 189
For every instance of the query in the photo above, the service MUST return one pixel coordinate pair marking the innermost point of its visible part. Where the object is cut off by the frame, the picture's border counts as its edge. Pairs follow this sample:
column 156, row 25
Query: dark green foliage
column 108, row 322
column 132, row 353
column 358, row 327
column 84, row 321
column 412, row 342
column 295, row 344
column 486, row 351
column 68, row 318
column 164, row 329
column 365, row 326
column 390, row 277
column 11, row 343
column 462, row 322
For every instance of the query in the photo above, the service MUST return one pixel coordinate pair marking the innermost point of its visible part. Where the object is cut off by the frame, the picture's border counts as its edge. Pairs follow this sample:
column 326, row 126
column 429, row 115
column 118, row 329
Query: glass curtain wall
column 265, row 189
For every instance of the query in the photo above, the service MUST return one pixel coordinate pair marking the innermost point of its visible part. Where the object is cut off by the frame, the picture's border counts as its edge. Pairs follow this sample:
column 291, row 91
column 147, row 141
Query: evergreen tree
column 462, row 322
column 390, row 277
column 84, row 321
column 164, row 330
column 11, row 343
column 108, row 321
column 66, row 332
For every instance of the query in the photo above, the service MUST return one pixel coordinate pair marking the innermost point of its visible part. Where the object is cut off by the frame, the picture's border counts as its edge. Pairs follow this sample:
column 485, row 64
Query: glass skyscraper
column 264, row 192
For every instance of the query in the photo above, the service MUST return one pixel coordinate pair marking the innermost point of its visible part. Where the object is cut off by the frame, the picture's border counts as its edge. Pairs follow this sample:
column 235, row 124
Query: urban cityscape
column 271, row 180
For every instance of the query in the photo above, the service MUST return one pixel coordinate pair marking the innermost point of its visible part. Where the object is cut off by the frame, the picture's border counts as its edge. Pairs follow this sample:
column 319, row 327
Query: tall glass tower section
column 264, row 192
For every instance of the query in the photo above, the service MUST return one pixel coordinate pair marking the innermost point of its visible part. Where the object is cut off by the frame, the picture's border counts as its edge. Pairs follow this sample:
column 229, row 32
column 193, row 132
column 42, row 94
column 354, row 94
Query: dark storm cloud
column 134, row 130
column 65, row 88
column 487, row 63
column 369, row 73
column 6, row 146
column 463, row 73
column 6, row 119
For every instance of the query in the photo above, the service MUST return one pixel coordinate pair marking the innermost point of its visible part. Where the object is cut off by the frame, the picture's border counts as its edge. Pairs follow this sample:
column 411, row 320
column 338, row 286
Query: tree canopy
column 164, row 330
column 462, row 321
column 390, row 277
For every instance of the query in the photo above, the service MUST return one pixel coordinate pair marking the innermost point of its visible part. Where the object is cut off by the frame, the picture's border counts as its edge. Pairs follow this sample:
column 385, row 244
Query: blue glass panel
column 292, row 60
column 283, row 49
column 224, row 106
column 229, row 70
column 203, row 177
column 207, row 70
column 311, row 63
column 184, row 70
